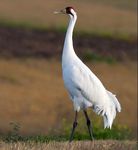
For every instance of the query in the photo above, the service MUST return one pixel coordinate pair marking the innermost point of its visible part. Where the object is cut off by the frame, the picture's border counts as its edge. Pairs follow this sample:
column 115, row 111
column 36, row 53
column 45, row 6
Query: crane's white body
column 84, row 88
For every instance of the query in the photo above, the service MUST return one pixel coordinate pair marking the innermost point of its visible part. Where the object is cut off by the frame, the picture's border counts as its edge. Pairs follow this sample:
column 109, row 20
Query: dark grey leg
column 74, row 126
column 89, row 125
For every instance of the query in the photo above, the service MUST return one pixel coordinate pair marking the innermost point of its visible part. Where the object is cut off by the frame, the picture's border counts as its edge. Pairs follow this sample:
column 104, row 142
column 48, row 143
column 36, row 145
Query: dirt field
column 18, row 42
column 85, row 145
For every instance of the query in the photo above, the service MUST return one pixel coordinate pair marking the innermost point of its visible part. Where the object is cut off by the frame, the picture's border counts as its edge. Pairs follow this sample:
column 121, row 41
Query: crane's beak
column 63, row 11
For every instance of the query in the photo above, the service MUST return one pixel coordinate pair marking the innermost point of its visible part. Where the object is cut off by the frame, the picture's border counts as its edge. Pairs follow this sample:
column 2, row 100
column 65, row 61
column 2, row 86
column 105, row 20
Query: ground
column 81, row 145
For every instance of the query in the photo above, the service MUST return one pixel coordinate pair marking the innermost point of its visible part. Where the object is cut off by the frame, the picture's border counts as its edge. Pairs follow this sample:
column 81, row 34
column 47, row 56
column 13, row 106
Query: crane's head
column 68, row 10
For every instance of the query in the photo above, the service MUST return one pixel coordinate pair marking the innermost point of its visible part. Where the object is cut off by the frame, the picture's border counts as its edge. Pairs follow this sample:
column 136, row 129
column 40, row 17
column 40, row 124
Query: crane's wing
column 87, row 83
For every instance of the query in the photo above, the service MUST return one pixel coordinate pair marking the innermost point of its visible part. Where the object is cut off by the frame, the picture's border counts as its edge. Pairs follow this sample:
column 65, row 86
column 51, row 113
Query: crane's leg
column 74, row 126
column 89, row 125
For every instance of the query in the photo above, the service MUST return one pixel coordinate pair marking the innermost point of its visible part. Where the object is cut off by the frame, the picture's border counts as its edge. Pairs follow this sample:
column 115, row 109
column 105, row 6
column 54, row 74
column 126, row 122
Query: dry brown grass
column 32, row 93
column 93, row 16
column 85, row 145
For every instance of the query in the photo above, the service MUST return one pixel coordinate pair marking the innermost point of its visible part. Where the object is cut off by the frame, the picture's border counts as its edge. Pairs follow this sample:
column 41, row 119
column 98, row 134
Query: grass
column 102, row 16
column 15, row 141
column 117, row 133
column 22, row 24
column 25, row 85
column 85, row 145
column 91, row 56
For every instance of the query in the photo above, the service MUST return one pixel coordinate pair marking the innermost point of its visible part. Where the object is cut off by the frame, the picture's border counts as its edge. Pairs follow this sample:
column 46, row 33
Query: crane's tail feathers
column 115, row 101
column 109, row 111
column 110, row 114
column 107, row 121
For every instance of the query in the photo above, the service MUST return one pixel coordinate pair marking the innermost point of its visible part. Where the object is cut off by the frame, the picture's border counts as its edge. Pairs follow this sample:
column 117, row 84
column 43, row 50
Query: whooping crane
column 84, row 88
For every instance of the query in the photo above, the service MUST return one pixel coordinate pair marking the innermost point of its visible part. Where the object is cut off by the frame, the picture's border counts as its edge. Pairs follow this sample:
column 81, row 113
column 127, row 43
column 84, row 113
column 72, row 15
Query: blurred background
column 32, row 92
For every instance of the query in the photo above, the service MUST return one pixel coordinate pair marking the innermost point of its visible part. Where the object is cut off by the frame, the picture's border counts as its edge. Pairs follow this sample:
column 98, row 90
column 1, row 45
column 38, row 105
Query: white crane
column 84, row 88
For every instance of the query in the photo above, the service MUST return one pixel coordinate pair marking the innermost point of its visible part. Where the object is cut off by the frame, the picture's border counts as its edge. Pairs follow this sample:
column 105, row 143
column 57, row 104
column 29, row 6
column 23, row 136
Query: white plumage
column 84, row 88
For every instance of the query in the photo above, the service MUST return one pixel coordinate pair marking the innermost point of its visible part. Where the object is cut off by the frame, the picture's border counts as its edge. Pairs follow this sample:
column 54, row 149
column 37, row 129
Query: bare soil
column 17, row 42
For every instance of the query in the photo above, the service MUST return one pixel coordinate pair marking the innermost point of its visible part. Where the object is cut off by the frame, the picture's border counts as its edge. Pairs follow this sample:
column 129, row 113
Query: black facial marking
column 68, row 10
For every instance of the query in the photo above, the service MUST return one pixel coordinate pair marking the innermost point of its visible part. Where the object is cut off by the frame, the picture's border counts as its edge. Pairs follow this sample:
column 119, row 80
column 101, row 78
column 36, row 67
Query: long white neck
column 68, row 49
